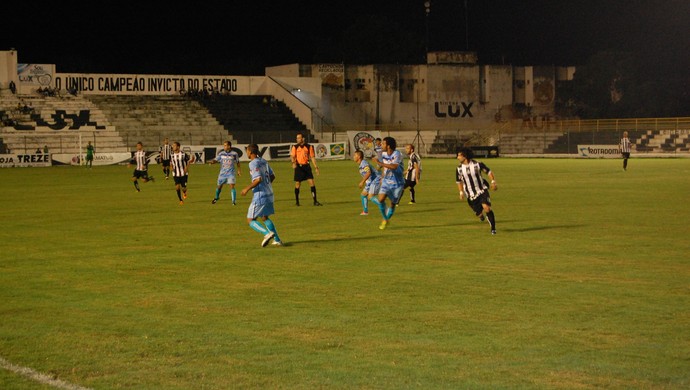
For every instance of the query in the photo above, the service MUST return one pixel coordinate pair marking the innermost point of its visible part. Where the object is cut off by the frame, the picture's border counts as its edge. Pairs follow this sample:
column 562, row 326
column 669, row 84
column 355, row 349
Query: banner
column 598, row 151
column 364, row 141
column 35, row 75
column 131, row 84
column 24, row 160
column 275, row 152
column 98, row 158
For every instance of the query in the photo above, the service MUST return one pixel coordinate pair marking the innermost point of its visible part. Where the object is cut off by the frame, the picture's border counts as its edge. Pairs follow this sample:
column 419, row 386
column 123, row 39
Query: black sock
column 297, row 195
column 625, row 163
column 412, row 193
column 179, row 195
column 313, row 193
column 492, row 220
column 136, row 185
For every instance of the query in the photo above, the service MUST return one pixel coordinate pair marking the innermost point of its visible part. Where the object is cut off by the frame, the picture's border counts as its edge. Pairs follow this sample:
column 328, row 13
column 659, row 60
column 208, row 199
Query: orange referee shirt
column 302, row 153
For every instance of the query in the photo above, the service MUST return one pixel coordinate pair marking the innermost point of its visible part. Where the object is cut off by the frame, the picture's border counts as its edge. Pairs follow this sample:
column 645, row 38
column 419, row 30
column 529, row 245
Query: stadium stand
column 255, row 119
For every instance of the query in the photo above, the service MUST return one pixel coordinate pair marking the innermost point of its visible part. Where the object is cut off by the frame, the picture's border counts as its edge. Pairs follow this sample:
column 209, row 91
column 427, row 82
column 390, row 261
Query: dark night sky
column 239, row 38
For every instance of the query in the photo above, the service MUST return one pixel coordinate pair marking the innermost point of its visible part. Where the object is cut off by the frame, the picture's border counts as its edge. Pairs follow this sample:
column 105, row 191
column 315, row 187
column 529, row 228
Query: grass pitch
column 586, row 284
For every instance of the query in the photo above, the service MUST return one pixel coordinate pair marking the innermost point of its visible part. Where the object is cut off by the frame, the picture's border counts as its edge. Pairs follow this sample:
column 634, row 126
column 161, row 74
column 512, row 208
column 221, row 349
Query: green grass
column 586, row 284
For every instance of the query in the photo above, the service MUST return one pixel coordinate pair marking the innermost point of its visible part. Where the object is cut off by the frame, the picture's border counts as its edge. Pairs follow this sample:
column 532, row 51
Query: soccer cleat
column 182, row 203
column 166, row 178
column 493, row 232
column 411, row 202
column 316, row 203
column 383, row 224
column 234, row 204
column 267, row 239
column 214, row 201
column 184, row 195
column 137, row 190
column 482, row 218
column 363, row 213
column 277, row 243
column 297, row 204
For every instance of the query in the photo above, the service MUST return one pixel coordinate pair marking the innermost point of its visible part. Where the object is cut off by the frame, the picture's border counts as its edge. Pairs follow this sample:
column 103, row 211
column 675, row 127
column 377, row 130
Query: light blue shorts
column 373, row 187
column 393, row 192
column 260, row 210
column 230, row 179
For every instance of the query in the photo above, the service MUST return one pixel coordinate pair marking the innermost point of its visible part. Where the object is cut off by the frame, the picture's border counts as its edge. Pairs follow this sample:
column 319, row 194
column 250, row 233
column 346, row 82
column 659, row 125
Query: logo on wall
column 321, row 151
column 365, row 142
column 453, row 109
column 337, row 149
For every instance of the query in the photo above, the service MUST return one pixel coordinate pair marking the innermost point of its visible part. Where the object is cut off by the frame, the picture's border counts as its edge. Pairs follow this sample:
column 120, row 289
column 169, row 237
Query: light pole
column 427, row 9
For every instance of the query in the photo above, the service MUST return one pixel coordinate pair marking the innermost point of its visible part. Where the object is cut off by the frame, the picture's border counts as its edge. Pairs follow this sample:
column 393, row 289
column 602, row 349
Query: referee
column 300, row 154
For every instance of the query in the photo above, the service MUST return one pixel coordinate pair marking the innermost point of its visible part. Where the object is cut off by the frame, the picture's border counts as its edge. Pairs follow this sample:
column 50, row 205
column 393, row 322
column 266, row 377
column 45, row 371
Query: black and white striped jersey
column 140, row 160
column 179, row 162
column 625, row 145
column 470, row 176
column 411, row 173
column 166, row 151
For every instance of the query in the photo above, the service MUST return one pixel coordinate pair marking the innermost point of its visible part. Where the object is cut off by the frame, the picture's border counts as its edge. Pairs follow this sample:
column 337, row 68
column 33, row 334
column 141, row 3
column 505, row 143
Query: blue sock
column 382, row 206
column 217, row 193
column 389, row 212
column 233, row 193
column 365, row 203
column 259, row 228
column 270, row 226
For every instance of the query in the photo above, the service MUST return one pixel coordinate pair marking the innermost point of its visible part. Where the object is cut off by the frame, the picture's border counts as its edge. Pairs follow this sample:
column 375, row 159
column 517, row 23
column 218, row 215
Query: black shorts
column 165, row 163
column 410, row 183
column 476, row 203
column 626, row 155
column 140, row 174
column 303, row 172
column 181, row 180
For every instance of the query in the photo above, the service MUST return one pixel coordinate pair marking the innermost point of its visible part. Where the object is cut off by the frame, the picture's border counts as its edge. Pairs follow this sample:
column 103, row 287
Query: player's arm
column 248, row 188
column 293, row 156
column 313, row 159
column 493, row 186
column 416, row 171
column 460, row 190
column 364, row 179
column 239, row 170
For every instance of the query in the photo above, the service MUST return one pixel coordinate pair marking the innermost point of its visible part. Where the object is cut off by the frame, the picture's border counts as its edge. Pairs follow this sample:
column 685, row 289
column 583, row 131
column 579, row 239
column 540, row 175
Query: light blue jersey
column 373, row 183
column 392, row 182
column 227, row 162
column 262, row 200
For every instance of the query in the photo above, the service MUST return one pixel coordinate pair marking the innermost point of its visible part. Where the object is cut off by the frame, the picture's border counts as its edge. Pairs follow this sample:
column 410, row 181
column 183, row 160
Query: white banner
column 132, row 84
column 364, row 141
column 598, row 151
column 35, row 75
column 98, row 158
column 24, row 160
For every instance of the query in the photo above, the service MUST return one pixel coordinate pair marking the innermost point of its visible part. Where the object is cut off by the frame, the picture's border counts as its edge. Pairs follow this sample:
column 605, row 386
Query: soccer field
column 586, row 284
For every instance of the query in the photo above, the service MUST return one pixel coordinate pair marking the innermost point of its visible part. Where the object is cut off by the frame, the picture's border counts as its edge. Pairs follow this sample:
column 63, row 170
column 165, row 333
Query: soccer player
column 89, row 155
column 165, row 153
column 370, row 183
column 392, row 181
column 414, row 170
column 471, row 184
column 179, row 161
column 142, row 165
column 300, row 154
column 261, row 207
column 227, row 158
column 624, row 147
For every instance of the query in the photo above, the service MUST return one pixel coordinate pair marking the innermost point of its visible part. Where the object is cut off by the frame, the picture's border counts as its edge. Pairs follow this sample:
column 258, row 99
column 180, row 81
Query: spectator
column 38, row 151
column 13, row 87
column 45, row 149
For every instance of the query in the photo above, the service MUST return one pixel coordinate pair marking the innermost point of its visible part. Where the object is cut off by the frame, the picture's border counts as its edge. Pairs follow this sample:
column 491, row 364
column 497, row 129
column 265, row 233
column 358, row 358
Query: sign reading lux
column 453, row 109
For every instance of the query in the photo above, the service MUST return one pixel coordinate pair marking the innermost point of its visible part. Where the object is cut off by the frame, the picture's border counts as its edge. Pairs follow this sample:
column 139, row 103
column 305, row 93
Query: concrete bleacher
column 63, row 124
column 647, row 141
column 150, row 119
column 526, row 143
column 253, row 119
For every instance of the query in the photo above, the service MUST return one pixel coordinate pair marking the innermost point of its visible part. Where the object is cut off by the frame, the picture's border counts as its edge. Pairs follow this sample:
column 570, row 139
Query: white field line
column 39, row 377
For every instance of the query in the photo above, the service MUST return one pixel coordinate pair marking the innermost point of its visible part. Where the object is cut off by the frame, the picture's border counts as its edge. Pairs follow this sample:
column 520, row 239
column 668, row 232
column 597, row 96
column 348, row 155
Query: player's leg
column 179, row 192
column 272, row 228
column 312, row 187
column 297, row 185
column 364, row 196
column 490, row 216
column 233, row 193
column 411, row 184
column 136, row 183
